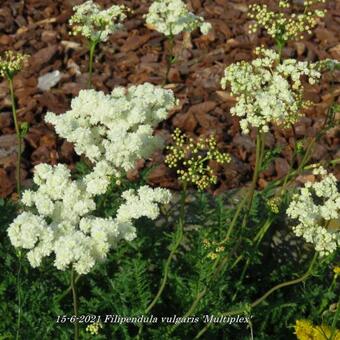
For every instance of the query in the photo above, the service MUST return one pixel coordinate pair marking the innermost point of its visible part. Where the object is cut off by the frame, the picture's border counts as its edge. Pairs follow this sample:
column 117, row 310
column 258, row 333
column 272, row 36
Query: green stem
column 336, row 318
column 266, row 295
column 287, row 283
column 324, row 301
column 75, row 305
column 249, row 197
column 280, row 44
column 240, row 257
column 67, row 291
column 178, row 239
column 169, row 59
column 260, row 144
column 301, row 166
column 285, row 182
column 166, row 268
column 306, row 157
column 307, row 167
column 307, row 154
column 259, row 157
column 234, row 220
column 19, row 298
column 93, row 45
column 17, row 132
column 256, row 242
column 203, row 330
column 191, row 310
column 258, row 238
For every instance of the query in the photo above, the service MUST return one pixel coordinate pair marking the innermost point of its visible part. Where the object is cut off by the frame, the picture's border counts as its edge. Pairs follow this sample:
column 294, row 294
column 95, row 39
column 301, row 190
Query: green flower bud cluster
column 93, row 328
column 274, row 205
column 214, row 249
column 191, row 159
column 282, row 26
column 11, row 62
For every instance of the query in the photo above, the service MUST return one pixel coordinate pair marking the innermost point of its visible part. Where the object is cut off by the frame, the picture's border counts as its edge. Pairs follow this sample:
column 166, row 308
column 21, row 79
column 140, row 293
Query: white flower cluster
column 59, row 220
column 114, row 131
column 317, row 209
column 267, row 90
column 96, row 24
column 172, row 17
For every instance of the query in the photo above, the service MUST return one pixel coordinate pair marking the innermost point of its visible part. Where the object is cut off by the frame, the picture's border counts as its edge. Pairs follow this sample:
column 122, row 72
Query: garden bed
column 169, row 170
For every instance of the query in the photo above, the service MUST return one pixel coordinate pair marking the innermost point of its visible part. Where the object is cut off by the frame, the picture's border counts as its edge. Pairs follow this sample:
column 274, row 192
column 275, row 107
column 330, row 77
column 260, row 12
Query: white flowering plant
column 269, row 91
column 96, row 25
column 171, row 17
column 12, row 62
column 59, row 220
column 62, row 218
column 141, row 252
column 316, row 207
column 114, row 131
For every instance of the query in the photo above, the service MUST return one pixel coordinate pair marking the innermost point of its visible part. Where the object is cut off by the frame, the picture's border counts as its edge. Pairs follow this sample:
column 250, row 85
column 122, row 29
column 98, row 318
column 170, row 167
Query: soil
column 137, row 55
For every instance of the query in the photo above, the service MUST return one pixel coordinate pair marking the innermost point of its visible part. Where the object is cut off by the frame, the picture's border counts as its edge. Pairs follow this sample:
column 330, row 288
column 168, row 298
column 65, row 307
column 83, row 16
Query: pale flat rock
column 8, row 149
column 8, row 144
column 48, row 80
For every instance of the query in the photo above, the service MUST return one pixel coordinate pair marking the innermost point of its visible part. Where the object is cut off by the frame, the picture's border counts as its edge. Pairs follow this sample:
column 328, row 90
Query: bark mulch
column 136, row 55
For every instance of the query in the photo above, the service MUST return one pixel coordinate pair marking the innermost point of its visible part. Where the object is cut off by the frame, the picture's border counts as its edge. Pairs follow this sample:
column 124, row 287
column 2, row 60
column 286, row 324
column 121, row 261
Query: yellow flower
column 324, row 332
column 336, row 270
column 305, row 330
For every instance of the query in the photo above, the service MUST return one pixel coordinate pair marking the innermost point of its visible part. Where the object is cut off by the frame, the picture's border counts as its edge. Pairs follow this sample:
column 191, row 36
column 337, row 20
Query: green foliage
column 270, row 156
column 128, row 281
column 24, row 127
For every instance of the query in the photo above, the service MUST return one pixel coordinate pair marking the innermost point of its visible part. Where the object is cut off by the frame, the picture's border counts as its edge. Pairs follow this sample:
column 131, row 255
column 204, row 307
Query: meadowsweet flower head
column 282, row 26
column 172, row 17
column 11, row 62
column 59, row 220
column 268, row 90
column 114, row 131
column 316, row 207
column 95, row 24
column 190, row 158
